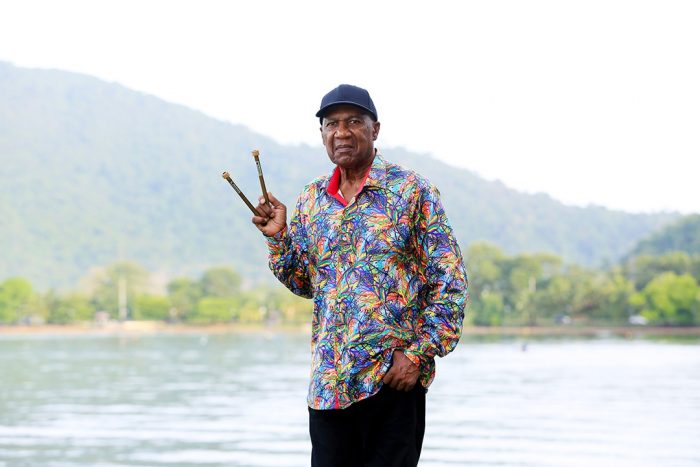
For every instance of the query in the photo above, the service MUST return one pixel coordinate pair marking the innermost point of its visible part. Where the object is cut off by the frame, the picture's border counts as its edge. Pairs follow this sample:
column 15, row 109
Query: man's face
column 348, row 135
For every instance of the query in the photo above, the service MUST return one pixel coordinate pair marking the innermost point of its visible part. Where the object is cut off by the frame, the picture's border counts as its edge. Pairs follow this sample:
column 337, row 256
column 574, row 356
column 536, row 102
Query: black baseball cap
column 350, row 95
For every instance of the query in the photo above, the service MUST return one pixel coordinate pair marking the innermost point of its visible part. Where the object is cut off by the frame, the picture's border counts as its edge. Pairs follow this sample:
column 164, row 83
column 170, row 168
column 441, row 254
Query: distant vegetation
column 537, row 289
column 683, row 235
column 215, row 297
column 660, row 287
column 92, row 172
column 511, row 290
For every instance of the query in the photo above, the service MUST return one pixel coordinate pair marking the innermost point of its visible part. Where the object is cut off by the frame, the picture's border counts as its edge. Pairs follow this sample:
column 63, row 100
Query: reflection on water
column 239, row 399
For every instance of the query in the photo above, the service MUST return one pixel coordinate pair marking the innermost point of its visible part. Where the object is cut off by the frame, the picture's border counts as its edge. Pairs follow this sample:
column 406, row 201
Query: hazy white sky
column 590, row 101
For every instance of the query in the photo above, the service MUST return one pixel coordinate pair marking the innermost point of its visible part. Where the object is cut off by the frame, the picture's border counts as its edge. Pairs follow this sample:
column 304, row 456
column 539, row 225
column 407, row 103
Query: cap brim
column 322, row 111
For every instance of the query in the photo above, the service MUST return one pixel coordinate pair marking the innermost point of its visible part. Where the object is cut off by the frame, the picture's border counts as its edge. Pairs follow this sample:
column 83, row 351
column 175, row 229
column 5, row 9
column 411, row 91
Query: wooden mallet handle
column 240, row 193
column 256, row 156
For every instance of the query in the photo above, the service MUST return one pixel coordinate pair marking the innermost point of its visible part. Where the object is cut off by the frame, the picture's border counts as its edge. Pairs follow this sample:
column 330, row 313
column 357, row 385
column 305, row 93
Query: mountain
column 682, row 235
column 92, row 172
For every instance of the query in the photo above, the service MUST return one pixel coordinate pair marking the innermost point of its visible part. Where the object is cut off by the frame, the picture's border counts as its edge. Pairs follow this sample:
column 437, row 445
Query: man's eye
column 330, row 124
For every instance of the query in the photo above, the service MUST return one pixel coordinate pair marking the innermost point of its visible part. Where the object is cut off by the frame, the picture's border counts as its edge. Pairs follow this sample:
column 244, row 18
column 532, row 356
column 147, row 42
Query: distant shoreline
column 156, row 327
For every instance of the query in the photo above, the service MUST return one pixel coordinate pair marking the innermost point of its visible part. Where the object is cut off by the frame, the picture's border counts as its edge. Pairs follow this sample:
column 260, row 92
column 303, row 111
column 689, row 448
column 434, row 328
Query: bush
column 215, row 310
column 151, row 307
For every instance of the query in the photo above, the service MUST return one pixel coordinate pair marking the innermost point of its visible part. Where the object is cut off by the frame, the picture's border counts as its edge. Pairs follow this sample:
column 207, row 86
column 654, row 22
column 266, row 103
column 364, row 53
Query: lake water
column 239, row 399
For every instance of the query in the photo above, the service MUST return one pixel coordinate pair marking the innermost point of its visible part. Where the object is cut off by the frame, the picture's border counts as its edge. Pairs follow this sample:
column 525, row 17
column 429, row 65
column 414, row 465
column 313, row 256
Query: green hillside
column 682, row 235
column 91, row 172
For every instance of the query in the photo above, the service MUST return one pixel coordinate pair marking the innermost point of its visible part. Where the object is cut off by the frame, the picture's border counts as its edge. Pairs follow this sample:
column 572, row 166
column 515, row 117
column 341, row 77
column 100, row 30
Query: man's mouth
column 344, row 147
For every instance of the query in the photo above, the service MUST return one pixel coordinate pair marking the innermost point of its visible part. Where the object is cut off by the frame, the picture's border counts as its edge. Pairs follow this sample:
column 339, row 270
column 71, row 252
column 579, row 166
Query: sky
column 592, row 102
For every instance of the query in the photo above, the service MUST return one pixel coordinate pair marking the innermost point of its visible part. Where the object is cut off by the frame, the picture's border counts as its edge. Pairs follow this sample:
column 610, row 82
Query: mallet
column 256, row 155
column 240, row 193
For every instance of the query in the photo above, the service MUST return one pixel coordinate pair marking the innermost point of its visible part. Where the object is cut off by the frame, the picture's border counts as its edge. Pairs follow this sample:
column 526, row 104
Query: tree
column 523, row 273
column 215, row 310
column 616, row 292
column 15, row 294
column 553, row 297
column 220, row 282
column 184, row 293
column 105, row 286
column 488, row 310
column 69, row 309
column 152, row 307
column 587, row 297
column 644, row 268
column 669, row 299
column 287, row 306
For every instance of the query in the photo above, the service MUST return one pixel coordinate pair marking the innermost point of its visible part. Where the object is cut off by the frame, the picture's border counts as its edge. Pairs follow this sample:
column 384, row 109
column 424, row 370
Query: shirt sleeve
column 288, row 255
column 443, row 296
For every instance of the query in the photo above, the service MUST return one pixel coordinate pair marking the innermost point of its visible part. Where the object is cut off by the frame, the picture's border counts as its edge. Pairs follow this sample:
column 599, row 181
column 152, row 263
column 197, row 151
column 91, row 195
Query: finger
column 260, row 221
column 263, row 208
column 389, row 378
column 274, row 201
column 401, row 385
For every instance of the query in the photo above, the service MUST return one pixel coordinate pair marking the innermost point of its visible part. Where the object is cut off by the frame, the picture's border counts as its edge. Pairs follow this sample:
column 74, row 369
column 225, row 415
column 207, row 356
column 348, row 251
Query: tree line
column 126, row 291
column 505, row 290
column 540, row 289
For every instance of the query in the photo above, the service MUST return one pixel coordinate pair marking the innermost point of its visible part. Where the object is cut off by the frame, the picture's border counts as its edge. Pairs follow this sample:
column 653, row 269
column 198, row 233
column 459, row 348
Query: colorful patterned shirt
column 384, row 271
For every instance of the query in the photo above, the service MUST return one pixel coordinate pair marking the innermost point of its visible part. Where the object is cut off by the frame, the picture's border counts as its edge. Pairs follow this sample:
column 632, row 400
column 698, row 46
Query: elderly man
column 371, row 245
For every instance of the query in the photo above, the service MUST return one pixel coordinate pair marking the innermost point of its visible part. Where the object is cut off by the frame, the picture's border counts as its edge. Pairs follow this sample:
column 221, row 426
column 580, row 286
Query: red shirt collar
column 334, row 185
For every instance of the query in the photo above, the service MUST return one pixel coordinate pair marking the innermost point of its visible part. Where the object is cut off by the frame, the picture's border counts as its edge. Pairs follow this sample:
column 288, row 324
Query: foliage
column 670, row 299
column 505, row 290
column 488, row 310
column 643, row 268
column 220, row 282
column 184, row 294
column 151, row 307
column 534, row 289
column 215, row 310
column 15, row 296
column 70, row 308
column 682, row 235
column 105, row 285
column 616, row 293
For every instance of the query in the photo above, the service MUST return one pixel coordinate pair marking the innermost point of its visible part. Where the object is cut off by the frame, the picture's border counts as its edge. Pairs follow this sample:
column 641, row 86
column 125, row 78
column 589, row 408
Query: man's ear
column 375, row 130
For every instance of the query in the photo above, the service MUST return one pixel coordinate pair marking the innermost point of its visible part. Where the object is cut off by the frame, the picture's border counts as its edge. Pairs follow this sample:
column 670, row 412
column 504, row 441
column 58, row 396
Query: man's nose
column 342, row 130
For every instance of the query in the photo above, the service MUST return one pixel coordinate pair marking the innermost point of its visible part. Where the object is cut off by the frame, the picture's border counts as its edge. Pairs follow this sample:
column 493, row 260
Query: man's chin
column 343, row 158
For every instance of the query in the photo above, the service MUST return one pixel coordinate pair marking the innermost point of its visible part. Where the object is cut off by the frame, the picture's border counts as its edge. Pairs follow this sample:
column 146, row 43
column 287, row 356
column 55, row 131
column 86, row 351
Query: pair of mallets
column 227, row 176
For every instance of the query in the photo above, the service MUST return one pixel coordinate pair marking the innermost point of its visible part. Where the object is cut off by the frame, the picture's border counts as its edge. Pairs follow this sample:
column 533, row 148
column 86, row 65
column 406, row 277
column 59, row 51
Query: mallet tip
column 255, row 152
column 226, row 175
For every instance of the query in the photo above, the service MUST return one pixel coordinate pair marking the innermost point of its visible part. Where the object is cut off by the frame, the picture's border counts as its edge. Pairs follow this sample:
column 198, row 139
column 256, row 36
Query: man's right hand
column 274, row 216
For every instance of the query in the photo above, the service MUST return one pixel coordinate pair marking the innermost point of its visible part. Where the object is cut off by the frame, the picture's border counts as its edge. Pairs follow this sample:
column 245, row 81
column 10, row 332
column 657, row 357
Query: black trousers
column 384, row 430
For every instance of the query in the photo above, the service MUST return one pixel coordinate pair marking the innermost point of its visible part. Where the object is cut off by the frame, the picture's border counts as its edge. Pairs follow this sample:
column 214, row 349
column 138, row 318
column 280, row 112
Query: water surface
column 239, row 400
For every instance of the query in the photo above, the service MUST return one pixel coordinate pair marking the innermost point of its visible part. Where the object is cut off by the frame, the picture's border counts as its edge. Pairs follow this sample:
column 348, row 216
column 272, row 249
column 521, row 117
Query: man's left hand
column 403, row 373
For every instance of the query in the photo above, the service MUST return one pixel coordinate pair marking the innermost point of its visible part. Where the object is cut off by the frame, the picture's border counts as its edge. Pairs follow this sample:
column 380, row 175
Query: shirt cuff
column 414, row 356
column 277, row 242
